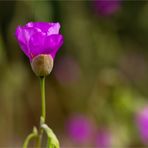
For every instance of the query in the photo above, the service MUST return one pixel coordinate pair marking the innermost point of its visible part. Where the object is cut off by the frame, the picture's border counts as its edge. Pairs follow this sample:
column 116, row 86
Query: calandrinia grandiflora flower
column 40, row 42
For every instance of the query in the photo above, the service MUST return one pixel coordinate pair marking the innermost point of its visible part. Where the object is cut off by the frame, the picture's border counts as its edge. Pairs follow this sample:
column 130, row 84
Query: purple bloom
column 103, row 139
column 80, row 129
column 142, row 124
column 37, row 38
column 106, row 7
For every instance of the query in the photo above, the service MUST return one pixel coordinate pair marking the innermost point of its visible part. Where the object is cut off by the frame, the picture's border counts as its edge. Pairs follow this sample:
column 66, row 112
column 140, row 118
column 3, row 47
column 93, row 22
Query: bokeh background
column 97, row 92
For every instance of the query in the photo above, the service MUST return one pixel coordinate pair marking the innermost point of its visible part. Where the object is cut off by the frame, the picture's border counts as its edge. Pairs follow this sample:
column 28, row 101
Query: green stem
column 42, row 85
column 39, row 141
column 43, row 110
column 29, row 137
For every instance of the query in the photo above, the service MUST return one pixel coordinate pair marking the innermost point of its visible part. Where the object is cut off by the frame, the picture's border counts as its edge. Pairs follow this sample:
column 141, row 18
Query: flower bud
column 42, row 64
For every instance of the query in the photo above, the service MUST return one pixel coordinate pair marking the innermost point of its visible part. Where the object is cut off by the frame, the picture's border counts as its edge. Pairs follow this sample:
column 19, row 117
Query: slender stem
column 43, row 110
column 39, row 141
column 42, row 85
column 29, row 137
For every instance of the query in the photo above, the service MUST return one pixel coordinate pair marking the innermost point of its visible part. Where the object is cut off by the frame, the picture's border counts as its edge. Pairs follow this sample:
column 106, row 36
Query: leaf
column 52, row 139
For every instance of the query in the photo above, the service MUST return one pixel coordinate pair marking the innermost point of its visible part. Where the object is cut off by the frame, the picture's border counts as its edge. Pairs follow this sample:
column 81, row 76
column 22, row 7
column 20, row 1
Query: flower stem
column 30, row 137
column 43, row 111
column 42, row 86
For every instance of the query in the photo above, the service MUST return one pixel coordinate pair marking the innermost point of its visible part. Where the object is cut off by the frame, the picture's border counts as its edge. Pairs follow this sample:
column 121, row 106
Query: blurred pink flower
column 80, row 129
column 106, row 7
column 142, row 124
column 103, row 139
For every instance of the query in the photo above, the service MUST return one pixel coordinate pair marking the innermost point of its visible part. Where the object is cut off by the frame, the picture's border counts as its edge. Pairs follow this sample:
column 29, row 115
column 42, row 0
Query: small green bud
column 42, row 64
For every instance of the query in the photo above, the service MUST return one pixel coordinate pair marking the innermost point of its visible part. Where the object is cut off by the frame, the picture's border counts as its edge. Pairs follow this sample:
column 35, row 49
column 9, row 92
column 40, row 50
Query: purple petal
column 43, row 26
column 23, row 35
column 53, row 43
column 36, row 44
column 54, row 29
column 49, row 28
column 22, row 40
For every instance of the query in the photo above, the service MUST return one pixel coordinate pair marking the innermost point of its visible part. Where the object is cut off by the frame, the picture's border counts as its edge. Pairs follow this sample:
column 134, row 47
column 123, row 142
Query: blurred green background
column 100, row 73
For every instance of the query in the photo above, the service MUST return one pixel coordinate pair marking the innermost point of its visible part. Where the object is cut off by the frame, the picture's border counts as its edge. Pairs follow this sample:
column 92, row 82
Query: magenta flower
column 106, row 7
column 103, row 139
column 37, row 38
column 142, row 124
column 40, row 42
column 80, row 129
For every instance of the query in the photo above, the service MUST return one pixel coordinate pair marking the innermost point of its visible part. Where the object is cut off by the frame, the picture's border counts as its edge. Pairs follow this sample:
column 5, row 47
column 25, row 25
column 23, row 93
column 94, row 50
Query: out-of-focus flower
column 40, row 42
column 80, row 129
column 67, row 70
column 142, row 124
column 106, row 7
column 103, row 139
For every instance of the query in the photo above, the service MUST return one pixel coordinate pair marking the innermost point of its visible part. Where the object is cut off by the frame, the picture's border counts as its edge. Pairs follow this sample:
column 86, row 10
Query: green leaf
column 52, row 139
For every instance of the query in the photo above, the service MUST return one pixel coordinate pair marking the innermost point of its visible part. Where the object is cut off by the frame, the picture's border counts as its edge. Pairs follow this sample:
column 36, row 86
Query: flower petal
column 53, row 43
column 36, row 44
column 21, row 39
column 54, row 29
column 49, row 28
column 23, row 35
